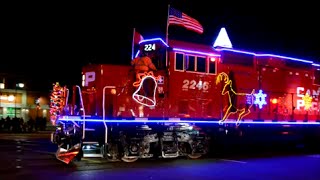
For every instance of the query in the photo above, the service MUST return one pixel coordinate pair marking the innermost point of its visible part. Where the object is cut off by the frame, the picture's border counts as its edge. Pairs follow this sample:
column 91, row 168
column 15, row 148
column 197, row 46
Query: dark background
column 50, row 42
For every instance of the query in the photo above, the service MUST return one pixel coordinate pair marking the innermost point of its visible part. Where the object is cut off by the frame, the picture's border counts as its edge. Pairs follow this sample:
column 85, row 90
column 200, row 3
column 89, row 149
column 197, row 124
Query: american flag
column 179, row 18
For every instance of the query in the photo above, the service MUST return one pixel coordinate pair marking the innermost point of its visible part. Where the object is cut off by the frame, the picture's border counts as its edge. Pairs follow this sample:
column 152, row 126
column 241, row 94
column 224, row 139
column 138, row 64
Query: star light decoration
column 307, row 101
column 260, row 99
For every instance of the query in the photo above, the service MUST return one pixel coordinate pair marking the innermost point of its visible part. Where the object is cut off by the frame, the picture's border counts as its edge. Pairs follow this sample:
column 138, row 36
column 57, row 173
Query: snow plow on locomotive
column 122, row 114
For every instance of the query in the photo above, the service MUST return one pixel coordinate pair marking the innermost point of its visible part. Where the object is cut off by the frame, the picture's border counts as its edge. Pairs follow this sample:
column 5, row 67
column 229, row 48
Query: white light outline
column 263, row 99
column 138, row 98
column 223, row 39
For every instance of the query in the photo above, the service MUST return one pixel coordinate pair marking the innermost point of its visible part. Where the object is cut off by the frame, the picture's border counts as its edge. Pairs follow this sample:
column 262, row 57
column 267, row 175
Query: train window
column 201, row 64
column 317, row 77
column 179, row 61
column 159, row 59
column 190, row 63
column 212, row 66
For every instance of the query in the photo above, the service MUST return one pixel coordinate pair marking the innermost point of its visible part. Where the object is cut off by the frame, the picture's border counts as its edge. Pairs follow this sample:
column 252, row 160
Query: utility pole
column 15, row 101
column 18, row 85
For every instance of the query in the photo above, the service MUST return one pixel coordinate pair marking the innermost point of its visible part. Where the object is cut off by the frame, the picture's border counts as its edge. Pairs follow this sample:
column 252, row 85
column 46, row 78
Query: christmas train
column 197, row 90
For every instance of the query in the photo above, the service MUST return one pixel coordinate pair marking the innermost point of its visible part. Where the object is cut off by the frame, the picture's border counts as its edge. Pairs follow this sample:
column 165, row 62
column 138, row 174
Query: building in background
column 16, row 100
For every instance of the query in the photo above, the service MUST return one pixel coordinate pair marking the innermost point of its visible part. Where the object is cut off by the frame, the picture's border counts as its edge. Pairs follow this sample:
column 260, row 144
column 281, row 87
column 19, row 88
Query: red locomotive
column 157, row 113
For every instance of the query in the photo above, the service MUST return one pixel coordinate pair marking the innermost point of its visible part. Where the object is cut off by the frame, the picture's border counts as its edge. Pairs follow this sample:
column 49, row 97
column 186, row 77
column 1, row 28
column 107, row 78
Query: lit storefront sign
column 7, row 98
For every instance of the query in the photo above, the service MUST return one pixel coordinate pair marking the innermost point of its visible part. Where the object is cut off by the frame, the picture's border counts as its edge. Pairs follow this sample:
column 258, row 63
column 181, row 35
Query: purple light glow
column 196, row 52
column 137, row 53
column 265, row 55
column 236, row 51
column 154, row 39
column 68, row 118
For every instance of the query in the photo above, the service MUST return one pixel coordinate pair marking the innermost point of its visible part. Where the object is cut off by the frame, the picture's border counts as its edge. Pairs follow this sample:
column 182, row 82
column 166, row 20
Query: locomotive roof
column 210, row 50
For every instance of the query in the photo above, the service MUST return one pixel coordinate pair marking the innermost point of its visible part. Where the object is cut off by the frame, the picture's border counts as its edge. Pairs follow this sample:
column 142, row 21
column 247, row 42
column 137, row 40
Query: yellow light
column 307, row 101
column 274, row 101
column 20, row 85
column 228, row 90
column 11, row 98
column 212, row 59
column 113, row 91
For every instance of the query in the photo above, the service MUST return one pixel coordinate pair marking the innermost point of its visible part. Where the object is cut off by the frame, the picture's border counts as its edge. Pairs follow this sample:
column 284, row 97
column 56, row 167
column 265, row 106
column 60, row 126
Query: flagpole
column 167, row 33
column 132, row 45
column 167, row 29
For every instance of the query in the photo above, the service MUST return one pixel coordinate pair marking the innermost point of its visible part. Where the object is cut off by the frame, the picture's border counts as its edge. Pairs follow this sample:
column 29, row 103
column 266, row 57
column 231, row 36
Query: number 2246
column 204, row 85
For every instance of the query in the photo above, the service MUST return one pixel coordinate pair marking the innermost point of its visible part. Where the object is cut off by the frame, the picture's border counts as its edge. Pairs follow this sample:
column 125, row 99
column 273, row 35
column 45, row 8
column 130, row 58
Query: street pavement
column 31, row 156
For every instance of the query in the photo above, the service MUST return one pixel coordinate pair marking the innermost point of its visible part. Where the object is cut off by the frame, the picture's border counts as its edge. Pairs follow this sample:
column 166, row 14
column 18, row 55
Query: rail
column 67, row 96
column 84, row 113
column 66, row 103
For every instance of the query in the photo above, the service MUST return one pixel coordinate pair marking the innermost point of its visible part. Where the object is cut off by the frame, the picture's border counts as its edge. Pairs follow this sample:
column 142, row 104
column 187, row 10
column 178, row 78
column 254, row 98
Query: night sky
column 50, row 42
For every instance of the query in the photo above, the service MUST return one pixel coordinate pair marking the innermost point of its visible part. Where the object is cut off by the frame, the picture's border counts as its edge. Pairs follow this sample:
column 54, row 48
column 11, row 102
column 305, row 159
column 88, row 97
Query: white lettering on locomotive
column 89, row 77
column 315, row 97
column 193, row 84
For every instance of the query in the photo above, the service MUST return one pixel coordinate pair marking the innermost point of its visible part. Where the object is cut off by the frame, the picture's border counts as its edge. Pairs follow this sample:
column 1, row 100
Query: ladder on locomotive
column 94, row 134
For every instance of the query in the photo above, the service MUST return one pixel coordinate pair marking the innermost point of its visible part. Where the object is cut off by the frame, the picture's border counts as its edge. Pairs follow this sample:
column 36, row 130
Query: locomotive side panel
column 273, row 83
column 193, row 93
column 281, row 82
column 306, row 96
column 90, row 85
column 316, row 93
column 239, row 94
column 106, row 93
column 115, row 90
column 297, row 80
column 114, row 93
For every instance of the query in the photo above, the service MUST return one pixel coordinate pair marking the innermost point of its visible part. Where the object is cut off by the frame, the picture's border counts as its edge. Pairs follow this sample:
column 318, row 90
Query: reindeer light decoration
column 242, row 107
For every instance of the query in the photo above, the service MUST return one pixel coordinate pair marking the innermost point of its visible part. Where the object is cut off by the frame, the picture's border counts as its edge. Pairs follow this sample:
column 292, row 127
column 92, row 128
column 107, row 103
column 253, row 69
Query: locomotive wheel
column 194, row 156
column 129, row 159
column 112, row 153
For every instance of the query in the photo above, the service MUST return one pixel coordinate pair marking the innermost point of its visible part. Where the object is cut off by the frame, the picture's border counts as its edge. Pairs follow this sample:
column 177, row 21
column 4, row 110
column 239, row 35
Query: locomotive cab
column 156, row 50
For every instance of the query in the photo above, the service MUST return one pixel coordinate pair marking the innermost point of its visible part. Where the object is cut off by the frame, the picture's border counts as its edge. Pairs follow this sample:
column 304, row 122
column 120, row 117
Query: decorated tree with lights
column 57, row 102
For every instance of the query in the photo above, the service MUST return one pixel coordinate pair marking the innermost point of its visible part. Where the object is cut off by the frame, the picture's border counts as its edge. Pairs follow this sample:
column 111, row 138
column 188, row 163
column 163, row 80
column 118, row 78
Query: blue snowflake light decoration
column 260, row 99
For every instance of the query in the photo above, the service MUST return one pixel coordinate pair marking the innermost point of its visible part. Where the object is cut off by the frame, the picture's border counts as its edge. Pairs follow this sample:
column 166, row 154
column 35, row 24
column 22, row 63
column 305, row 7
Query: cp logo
column 89, row 77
